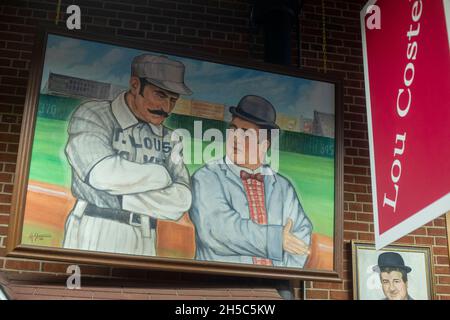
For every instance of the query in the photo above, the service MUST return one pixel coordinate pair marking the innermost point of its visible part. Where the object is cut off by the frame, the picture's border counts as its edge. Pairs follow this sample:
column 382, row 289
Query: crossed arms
column 158, row 190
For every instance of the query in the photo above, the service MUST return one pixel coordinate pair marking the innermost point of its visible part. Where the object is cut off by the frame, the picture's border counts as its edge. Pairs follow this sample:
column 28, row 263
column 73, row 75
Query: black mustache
column 159, row 113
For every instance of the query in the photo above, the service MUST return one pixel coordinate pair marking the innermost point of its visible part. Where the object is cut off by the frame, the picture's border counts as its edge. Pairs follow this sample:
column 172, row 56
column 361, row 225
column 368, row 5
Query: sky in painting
column 211, row 82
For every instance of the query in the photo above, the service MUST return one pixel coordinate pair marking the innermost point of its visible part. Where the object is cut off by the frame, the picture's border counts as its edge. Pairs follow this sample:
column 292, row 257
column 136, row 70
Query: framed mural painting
column 396, row 272
column 145, row 157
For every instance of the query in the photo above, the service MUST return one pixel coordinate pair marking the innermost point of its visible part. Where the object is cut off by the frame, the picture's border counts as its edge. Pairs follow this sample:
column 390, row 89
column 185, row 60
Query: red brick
column 4, row 218
column 22, row 265
column 419, row 232
column 349, row 179
column 364, row 217
column 424, row 240
column 316, row 294
column 85, row 269
column 5, row 177
column 349, row 196
column 439, row 222
column 348, row 161
column 354, row 206
column 443, row 280
column 349, row 216
column 443, row 289
column 364, row 198
column 351, row 151
column 405, row 240
column 3, row 230
column 366, row 236
column 363, row 180
column 442, row 269
column 361, row 162
column 5, row 209
column 5, row 198
column 440, row 251
column 348, row 235
column 8, row 157
column 440, row 241
column 10, row 167
column 340, row 295
column 441, row 260
column 355, row 135
column 440, row 232
column 327, row 285
column 356, row 226
column 357, row 188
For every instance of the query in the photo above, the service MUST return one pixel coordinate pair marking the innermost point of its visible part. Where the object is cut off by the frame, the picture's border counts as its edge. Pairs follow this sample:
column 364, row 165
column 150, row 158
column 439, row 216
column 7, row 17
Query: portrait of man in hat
column 124, row 176
column 243, row 211
column 393, row 276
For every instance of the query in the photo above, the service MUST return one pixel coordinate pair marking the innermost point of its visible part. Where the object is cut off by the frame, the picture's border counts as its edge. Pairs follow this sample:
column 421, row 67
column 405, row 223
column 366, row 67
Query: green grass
column 313, row 179
column 48, row 161
column 311, row 176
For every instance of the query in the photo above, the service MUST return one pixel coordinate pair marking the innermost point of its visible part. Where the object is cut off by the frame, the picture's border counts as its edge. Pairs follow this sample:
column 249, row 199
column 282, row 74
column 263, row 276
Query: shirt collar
column 126, row 118
column 236, row 169
column 122, row 112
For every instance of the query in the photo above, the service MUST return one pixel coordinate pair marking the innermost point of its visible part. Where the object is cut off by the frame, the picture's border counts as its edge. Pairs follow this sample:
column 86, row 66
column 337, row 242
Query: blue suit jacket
column 224, row 229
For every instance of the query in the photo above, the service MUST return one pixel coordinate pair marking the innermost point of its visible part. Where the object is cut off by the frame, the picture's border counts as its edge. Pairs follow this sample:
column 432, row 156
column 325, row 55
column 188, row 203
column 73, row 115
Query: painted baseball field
column 49, row 199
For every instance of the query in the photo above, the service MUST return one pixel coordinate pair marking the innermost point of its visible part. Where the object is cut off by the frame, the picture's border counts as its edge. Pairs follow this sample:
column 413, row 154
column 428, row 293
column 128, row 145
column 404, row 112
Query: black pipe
column 277, row 19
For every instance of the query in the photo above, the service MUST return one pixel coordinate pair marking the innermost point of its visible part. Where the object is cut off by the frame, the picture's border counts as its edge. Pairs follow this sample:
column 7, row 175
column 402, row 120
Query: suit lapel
column 269, row 183
column 269, row 180
column 230, row 175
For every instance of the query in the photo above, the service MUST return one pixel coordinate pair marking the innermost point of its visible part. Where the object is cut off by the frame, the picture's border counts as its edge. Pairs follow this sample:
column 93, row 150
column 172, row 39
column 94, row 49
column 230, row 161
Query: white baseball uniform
column 120, row 164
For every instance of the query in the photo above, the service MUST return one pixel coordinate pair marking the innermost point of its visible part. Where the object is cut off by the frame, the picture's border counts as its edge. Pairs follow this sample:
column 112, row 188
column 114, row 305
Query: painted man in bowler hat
column 393, row 276
column 121, row 155
column 243, row 211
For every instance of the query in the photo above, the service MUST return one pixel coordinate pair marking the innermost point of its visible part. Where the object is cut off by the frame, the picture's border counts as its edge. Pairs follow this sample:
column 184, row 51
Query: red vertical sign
column 407, row 78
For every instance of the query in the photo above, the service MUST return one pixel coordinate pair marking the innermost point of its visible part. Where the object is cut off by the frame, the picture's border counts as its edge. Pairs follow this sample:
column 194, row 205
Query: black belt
column 118, row 215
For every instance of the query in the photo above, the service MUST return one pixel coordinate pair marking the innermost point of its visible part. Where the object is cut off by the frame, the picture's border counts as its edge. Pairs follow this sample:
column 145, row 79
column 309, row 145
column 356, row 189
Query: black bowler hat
column 391, row 260
column 256, row 110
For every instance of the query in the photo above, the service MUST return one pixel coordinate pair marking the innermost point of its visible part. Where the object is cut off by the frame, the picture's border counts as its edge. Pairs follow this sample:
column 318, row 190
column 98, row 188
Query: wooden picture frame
column 367, row 282
column 37, row 244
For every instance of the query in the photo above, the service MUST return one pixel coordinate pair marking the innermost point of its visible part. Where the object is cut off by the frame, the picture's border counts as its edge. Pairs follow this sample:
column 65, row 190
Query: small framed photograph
column 396, row 272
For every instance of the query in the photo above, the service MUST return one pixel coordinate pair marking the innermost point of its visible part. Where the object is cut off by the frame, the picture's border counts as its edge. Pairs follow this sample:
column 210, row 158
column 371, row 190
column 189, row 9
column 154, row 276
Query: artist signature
column 35, row 237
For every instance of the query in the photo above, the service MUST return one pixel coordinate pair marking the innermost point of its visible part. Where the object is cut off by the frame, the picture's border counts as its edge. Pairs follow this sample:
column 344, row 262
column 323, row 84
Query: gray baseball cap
column 161, row 71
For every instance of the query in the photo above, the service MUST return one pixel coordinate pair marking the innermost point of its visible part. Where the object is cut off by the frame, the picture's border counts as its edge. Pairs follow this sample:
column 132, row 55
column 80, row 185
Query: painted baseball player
column 124, row 169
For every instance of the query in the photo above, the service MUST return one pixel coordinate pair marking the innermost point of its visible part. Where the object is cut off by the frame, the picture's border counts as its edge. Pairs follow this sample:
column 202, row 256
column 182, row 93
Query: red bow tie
column 257, row 176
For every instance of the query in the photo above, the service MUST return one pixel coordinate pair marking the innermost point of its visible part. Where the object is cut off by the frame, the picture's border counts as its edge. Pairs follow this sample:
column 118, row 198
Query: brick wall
column 220, row 28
